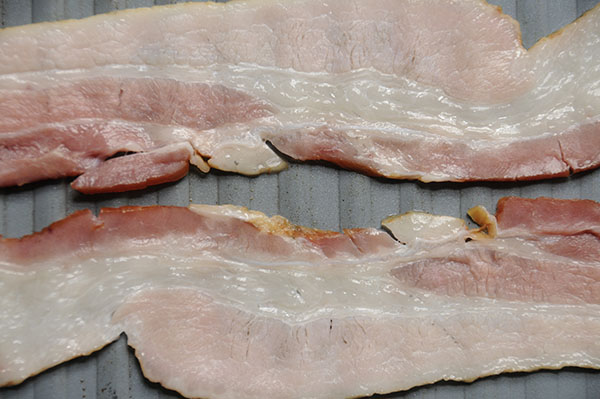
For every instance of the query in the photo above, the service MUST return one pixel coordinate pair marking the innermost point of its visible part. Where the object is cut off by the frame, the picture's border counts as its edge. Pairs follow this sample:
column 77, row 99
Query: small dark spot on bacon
column 121, row 91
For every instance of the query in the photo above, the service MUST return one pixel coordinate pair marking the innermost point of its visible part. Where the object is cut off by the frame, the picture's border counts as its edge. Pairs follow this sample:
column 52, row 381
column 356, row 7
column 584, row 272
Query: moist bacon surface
column 223, row 302
column 429, row 90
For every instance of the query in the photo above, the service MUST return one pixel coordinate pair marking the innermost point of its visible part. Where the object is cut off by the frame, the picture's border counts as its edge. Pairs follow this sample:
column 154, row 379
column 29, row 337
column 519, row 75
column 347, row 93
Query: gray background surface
column 308, row 194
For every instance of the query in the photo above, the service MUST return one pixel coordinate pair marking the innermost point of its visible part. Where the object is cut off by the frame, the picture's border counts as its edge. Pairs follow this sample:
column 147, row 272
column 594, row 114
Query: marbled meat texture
column 222, row 302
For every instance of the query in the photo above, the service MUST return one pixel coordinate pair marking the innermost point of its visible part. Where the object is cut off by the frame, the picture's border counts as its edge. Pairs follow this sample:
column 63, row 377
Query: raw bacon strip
column 429, row 90
column 222, row 302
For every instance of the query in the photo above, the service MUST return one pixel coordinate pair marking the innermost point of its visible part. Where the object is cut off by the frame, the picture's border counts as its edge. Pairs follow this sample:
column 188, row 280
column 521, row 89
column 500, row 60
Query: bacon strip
column 436, row 91
column 222, row 302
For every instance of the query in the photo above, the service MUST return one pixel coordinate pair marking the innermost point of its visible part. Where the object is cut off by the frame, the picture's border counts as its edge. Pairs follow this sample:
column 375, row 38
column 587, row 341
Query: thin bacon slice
column 429, row 90
column 222, row 302
column 137, row 171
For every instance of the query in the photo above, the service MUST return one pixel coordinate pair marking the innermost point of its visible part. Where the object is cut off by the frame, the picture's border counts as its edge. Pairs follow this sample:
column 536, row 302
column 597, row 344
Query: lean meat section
column 222, row 302
column 416, row 89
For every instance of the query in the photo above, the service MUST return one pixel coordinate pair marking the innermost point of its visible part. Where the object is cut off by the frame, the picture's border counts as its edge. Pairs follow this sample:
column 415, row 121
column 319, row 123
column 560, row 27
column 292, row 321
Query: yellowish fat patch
column 274, row 224
column 486, row 220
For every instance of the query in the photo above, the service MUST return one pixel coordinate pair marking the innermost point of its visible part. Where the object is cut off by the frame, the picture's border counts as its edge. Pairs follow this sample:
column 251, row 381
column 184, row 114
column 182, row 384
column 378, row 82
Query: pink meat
column 136, row 171
column 580, row 150
column 223, row 302
column 160, row 101
column 498, row 274
column 549, row 216
column 435, row 156
column 254, row 357
column 66, row 150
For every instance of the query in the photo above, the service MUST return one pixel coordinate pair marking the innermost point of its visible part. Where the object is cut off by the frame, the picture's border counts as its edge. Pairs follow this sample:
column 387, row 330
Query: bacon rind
column 205, row 240
column 82, row 232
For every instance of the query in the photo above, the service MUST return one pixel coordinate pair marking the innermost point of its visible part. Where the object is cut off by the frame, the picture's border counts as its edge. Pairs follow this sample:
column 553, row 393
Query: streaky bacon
column 428, row 90
column 223, row 302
